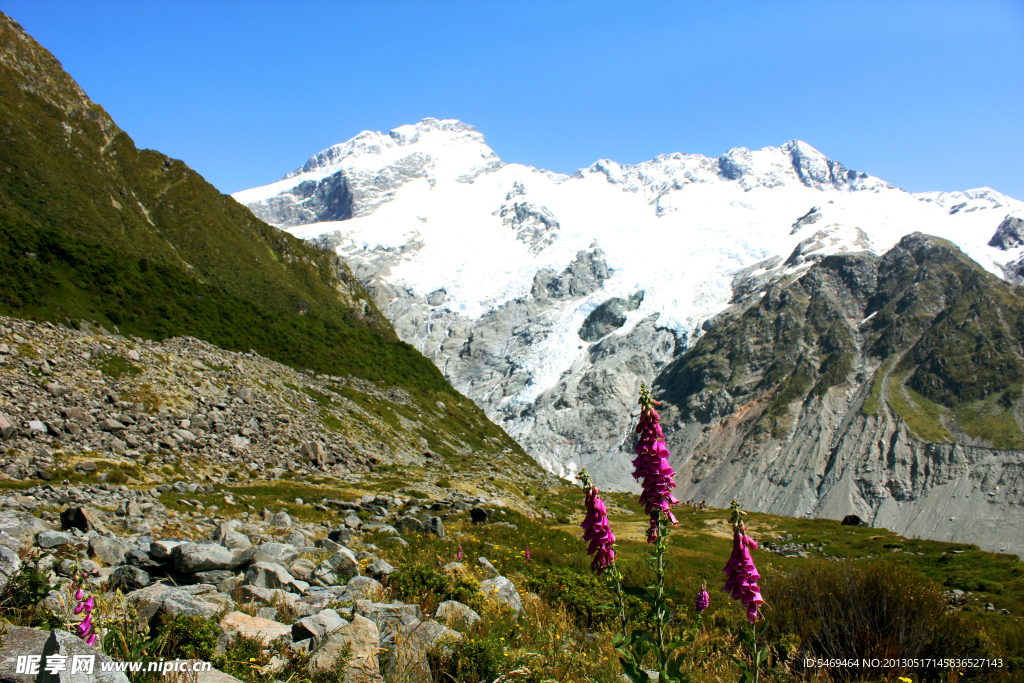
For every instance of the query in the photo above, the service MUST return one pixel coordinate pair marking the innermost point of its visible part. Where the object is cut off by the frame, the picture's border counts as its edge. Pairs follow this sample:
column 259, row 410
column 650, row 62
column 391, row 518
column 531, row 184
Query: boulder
column 70, row 646
column 162, row 549
column 83, row 518
column 380, row 570
column 409, row 526
column 851, row 520
column 489, row 570
column 129, row 578
column 19, row 529
column 7, row 428
column 143, row 559
column 52, row 539
column 479, row 515
column 20, row 641
column 302, row 569
column 434, row 526
column 231, row 538
column 383, row 612
column 109, row 551
column 364, row 638
column 265, row 630
column 452, row 612
column 159, row 598
column 406, row 646
column 364, row 588
column 280, row 553
column 10, row 565
column 224, row 580
column 344, row 564
column 500, row 589
column 318, row 626
column 282, row 520
column 270, row 575
column 193, row 557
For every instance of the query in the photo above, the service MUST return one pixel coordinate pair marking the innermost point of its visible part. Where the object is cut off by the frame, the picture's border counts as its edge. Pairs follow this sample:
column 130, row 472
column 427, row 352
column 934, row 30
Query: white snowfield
column 677, row 227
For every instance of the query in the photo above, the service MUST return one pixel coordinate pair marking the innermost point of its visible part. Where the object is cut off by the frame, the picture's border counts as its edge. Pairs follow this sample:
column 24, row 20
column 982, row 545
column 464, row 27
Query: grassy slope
column 957, row 330
column 93, row 228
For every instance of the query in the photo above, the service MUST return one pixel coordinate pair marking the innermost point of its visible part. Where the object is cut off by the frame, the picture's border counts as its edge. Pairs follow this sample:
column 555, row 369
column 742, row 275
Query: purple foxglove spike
column 597, row 531
column 91, row 640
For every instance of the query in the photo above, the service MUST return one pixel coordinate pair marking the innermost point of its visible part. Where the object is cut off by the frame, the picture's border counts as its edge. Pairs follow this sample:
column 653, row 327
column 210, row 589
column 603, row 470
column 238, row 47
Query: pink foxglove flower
column 527, row 553
column 85, row 606
column 459, row 556
column 741, row 574
column 651, row 466
column 703, row 599
column 598, row 531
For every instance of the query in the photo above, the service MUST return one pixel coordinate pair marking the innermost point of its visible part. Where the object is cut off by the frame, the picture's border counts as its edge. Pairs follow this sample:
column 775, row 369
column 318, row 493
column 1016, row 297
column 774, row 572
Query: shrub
column 190, row 637
column 418, row 583
column 581, row 595
column 880, row 610
column 467, row 661
column 245, row 659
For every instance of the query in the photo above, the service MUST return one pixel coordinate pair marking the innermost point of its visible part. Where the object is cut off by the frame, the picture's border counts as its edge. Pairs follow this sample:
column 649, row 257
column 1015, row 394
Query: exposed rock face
column 611, row 315
column 1009, row 234
column 845, row 393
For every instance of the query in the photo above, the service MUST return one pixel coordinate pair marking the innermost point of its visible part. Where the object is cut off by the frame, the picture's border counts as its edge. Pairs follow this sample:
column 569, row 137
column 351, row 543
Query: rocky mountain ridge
column 611, row 276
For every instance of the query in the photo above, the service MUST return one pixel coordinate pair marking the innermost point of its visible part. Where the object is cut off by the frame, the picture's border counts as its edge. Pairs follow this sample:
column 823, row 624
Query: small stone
column 52, row 539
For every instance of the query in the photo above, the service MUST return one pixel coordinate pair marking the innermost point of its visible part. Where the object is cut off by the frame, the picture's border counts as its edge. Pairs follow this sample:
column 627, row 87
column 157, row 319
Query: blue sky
column 927, row 95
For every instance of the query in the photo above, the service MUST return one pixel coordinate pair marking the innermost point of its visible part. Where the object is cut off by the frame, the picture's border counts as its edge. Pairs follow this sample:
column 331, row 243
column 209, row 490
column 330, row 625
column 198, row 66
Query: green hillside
column 945, row 336
column 93, row 228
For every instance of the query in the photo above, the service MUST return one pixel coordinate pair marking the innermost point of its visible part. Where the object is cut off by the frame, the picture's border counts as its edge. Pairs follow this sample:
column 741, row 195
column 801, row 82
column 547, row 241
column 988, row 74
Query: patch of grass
column 873, row 400
column 993, row 420
column 920, row 414
column 117, row 367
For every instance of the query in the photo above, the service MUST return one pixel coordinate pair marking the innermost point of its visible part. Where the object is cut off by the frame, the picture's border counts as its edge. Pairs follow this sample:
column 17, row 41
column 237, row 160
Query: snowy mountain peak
column 369, row 147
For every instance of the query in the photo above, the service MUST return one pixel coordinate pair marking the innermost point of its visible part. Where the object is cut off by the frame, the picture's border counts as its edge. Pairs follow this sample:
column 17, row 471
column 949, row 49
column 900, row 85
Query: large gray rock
column 280, row 553
column 318, row 626
column 19, row 529
column 129, row 578
column 108, row 550
column 7, row 427
column 365, row 588
column 69, row 645
column 83, row 518
column 452, row 612
column 502, row 590
column 265, row 630
column 409, row 526
column 162, row 549
column 19, row 641
column 10, row 565
column 364, row 664
column 231, row 538
column 406, row 645
column 344, row 564
column 52, row 539
column 193, row 557
column 157, row 599
column 380, row 570
column 434, row 526
column 271, row 575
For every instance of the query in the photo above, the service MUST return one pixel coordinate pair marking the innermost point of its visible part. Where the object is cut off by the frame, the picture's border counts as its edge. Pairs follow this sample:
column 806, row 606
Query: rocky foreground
column 244, row 574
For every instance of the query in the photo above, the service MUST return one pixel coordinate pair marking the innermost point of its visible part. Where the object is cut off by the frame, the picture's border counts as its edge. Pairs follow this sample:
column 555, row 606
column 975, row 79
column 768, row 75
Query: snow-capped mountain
column 548, row 298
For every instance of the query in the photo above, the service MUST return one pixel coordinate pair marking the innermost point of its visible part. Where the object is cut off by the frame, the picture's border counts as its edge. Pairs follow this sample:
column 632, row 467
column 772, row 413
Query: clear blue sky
column 927, row 95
